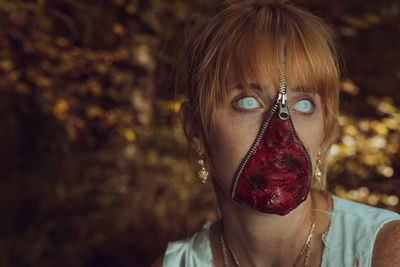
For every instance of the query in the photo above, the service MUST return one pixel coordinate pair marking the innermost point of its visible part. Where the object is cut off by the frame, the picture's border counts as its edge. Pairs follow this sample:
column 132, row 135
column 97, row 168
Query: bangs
column 251, row 54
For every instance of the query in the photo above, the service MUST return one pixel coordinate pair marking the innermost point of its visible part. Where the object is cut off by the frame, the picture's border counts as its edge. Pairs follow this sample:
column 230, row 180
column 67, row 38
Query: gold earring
column 317, row 171
column 203, row 173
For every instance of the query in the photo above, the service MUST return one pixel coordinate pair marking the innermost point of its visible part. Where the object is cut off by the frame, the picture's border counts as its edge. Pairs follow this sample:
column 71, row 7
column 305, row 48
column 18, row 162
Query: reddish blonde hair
column 242, row 40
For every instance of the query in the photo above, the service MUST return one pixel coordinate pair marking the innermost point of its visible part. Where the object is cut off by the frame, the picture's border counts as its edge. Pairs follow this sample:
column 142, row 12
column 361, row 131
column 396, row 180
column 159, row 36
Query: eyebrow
column 254, row 86
column 257, row 87
column 300, row 89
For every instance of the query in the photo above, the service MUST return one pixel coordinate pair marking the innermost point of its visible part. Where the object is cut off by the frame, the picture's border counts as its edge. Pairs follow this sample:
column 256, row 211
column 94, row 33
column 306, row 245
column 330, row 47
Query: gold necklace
column 224, row 252
column 306, row 248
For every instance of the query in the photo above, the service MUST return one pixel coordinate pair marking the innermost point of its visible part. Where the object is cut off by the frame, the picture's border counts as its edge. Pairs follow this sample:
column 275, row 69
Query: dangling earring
column 317, row 171
column 203, row 173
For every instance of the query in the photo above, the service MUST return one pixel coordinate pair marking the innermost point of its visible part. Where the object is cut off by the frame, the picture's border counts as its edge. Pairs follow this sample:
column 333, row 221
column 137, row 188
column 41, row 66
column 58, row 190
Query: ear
column 191, row 128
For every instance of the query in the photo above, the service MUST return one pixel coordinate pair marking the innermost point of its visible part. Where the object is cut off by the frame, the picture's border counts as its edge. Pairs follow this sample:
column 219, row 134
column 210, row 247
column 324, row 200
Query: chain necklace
column 306, row 248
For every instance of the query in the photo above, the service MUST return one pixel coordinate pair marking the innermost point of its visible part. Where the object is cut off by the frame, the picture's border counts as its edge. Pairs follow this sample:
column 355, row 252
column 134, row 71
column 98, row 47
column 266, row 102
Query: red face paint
column 275, row 175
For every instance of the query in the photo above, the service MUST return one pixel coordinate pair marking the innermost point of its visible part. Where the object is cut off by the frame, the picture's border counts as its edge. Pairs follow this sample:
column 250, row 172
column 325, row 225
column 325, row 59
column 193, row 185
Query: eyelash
column 240, row 109
column 308, row 99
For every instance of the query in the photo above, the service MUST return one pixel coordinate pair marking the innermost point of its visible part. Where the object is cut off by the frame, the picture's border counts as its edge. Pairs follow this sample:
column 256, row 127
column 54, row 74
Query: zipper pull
column 283, row 108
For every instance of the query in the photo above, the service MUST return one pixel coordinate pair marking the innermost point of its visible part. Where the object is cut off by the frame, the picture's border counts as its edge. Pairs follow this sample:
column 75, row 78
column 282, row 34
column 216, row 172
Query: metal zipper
column 283, row 107
column 283, row 115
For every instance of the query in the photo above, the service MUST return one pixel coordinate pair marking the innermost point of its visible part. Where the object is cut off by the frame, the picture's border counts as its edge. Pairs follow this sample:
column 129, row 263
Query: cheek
column 229, row 143
column 310, row 130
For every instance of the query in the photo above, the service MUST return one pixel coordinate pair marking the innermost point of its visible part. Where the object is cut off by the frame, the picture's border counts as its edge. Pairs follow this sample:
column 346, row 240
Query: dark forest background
column 95, row 170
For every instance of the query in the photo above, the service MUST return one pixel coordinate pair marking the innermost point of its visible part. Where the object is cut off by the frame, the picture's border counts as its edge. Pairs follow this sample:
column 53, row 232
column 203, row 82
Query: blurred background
column 95, row 170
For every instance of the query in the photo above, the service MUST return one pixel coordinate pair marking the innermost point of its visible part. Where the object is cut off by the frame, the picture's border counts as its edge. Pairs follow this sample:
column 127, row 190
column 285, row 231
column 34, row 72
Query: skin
column 260, row 239
column 387, row 246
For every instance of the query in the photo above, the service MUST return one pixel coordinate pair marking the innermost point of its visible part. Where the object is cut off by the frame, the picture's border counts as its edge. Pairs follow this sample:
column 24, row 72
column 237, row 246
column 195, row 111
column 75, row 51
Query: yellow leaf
column 6, row 64
column 350, row 129
column 94, row 112
column 373, row 199
column 350, row 87
column 60, row 109
column 118, row 29
column 44, row 81
column 130, row 9
column 95, row 87
column 101, row 68
column 392, row 200
column 356, row 22
column 386, row 105
column 380, row 128
column 391, row 123
column 22, row 88
column 373, row 19
column 175, row 106
column 386, row 171
column 62, row 42
column 129, row 135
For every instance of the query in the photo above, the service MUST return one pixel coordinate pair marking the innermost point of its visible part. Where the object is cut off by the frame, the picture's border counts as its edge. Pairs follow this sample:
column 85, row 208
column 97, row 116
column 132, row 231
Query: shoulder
column 387, row 245
column 354, row 230
column 192, row 251
column 361, row 220
column 365, row 214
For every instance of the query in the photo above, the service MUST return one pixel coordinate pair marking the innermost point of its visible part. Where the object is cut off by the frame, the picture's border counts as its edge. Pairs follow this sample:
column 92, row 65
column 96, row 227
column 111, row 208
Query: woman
column 263, row 83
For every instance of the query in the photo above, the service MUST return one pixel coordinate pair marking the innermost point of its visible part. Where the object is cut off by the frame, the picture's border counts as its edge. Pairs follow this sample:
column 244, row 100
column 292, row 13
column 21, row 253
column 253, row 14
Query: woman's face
column 237, row 122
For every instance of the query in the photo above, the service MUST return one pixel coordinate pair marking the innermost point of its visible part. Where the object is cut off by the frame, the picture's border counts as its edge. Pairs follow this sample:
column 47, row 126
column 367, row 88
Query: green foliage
column 95, row 168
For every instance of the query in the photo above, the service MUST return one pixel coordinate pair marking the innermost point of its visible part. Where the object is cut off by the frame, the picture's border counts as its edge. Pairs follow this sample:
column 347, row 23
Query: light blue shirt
column 349, row 241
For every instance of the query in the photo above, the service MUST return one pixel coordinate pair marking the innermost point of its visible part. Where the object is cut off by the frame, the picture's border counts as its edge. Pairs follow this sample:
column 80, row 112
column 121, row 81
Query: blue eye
column 248, row 102
column 304, row 106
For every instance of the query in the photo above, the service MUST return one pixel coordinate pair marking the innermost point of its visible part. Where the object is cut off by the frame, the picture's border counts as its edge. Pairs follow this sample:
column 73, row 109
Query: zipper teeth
column 282, row 68
column 253, row 146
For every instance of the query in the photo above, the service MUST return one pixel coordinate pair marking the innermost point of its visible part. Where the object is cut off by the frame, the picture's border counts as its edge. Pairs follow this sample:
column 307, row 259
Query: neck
column 260, row 239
